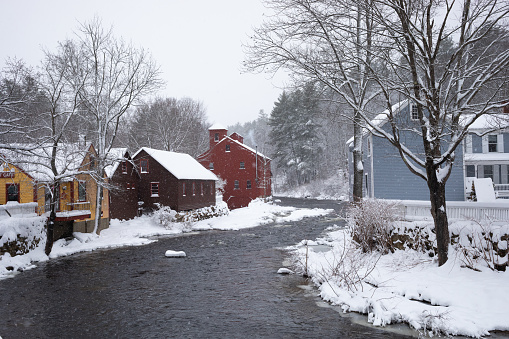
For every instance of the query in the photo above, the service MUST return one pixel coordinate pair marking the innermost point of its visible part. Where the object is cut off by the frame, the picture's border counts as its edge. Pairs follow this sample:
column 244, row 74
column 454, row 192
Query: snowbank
column 408, row 286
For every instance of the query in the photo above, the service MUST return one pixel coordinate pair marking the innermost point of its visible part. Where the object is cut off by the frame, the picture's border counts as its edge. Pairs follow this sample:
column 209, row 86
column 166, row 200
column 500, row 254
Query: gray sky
column 197, row 43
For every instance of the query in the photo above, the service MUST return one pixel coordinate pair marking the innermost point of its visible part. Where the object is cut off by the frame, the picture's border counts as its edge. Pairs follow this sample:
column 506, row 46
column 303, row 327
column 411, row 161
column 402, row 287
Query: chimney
column 216, row 134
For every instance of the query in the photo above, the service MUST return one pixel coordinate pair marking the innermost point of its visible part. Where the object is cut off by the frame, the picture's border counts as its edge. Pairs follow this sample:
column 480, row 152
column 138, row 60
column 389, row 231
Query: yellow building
column 25, row 182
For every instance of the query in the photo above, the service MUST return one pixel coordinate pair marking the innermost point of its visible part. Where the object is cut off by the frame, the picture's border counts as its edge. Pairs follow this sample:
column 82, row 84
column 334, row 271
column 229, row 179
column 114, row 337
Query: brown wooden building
column 123, row 180
column 173, row 179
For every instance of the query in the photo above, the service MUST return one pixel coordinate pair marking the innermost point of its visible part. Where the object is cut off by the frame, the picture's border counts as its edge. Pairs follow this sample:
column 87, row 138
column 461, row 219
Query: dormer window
column 414, row 113
column 492, row 143
column 216, row 137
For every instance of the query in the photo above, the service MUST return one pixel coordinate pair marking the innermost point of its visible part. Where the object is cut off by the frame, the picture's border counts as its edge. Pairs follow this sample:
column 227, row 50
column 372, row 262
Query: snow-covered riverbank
column 139, row 231
column 408, row 286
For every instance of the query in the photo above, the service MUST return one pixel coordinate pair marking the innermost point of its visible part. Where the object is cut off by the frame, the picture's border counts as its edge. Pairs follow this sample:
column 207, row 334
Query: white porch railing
column 502, row 191
column 497, row 210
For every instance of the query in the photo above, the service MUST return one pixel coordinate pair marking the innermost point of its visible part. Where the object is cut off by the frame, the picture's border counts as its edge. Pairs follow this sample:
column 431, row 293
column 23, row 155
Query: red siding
column 227, row 167
column 124, row 199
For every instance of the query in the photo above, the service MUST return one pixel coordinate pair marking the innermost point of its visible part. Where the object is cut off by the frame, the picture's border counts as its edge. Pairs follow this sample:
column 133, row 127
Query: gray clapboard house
column 487, row 152
column 385, row 174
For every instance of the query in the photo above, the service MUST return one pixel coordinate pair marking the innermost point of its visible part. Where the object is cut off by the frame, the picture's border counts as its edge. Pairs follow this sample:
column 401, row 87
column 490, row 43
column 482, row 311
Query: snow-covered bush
column 483, row 243
column 167, row 217
column 371, row 222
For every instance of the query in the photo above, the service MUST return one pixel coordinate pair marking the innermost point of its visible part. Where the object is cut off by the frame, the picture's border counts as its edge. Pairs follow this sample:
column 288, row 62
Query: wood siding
column 170, row 189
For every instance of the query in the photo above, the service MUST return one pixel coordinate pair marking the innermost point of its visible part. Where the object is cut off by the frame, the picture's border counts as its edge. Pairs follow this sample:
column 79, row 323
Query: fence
column 497, row 210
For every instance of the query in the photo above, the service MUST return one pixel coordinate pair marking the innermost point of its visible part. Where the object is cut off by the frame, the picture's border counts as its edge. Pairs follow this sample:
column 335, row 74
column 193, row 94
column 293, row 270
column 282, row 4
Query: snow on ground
column 139, row 231
column 333, row 188
column 408, row 286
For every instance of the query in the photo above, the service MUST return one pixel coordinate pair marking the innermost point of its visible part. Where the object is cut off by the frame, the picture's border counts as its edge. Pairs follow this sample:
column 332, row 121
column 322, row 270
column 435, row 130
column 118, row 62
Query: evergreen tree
column 294, row 134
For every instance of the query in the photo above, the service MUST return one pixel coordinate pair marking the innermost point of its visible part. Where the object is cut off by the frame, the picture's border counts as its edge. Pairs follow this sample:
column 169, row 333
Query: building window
column 414, row 114
column 82, row 191
column 242, row 166
column 488, row 171
column 236, row 185
column 211, row 166
column 183, row 189
column 227, row 148
column 194, row 188
column 216, row 137
column 248, row 184
column 470, row 171
column 492, row 143
column 128, row 185
column 124, row 167
column 92, row 162
column 12, row 192
column 154, row 189
column 144, row 165
column 201, row 188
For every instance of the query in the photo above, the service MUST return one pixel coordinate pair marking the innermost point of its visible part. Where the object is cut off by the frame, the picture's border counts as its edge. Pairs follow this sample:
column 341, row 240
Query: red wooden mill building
column 246, row 172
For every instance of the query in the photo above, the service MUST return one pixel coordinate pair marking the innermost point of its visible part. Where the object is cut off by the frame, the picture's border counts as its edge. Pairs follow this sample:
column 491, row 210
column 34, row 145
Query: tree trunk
column 438, row 211
column 49, row 232
column 358, row 169
column 98, row 208
column 50, row 224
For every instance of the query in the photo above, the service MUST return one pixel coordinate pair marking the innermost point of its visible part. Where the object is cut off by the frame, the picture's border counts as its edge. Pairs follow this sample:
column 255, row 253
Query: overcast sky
column 197, row 43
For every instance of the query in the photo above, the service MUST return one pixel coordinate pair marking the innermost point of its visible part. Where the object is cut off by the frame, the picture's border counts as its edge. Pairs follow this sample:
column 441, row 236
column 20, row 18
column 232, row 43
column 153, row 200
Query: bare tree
column 177, row 125
column 326, row 41
column 109, row 76
column 450, row 89
column 18, row 92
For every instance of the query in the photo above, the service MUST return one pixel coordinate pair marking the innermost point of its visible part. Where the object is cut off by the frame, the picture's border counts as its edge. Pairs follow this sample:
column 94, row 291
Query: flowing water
column 226, row 287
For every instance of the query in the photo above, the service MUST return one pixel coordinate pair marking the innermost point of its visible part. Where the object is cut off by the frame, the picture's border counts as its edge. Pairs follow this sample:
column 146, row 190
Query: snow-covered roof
column 181, row 165
column 489, row 121
column 247, row 147
column 382, row 118
column 35, row 160
column 217, row 126
column 115, row 156
column 500, row 158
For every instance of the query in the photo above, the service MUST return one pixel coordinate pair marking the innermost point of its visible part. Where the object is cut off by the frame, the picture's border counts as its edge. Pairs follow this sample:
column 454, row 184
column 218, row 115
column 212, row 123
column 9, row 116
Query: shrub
column 371, row 224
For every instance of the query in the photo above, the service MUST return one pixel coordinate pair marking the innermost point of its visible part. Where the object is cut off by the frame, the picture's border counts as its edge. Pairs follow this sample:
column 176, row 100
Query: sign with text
column 6, row 174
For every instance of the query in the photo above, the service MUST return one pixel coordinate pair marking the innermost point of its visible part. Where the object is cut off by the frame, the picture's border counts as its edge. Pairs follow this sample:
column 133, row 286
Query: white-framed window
column 236, row 185
column 82, row 190
column 124, row 167
column 242, row 165
column 144, row 165
column 211, row 166
column 414, row 113
column 227, row 148
column 183, row 189
column 216, row 137
column 194, row 188
column 154, row 189
column 488, row 171
column 492, row 143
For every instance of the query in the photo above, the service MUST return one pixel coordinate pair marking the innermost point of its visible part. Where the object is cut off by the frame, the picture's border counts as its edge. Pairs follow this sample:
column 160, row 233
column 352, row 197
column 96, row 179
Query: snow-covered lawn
column 139, row 231
column 408, row 286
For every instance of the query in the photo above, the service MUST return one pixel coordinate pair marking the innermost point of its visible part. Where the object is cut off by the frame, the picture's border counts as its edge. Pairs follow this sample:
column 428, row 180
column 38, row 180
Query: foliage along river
column 226, row 287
